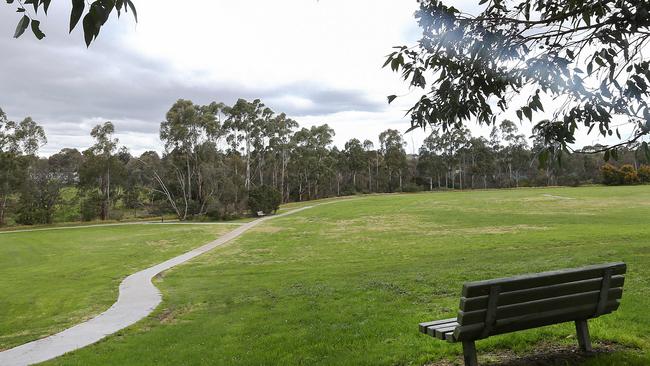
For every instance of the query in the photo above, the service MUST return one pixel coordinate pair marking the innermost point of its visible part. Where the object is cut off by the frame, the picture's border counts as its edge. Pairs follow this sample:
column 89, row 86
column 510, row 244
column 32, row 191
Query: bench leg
column 469, row 353
column 584, row 341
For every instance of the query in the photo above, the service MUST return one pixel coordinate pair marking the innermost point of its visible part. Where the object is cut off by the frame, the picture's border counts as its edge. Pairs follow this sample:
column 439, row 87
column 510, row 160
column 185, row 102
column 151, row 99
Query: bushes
column 264, row 199
column 91, row 206
column 629, row 175
column 644, row 173
column 626, row 175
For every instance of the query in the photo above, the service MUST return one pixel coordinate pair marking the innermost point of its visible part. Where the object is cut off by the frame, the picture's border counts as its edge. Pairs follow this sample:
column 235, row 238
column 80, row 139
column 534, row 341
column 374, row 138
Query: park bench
column 511, row 304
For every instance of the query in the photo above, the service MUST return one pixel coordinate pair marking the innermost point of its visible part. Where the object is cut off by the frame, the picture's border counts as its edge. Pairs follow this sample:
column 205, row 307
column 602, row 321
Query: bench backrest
column 529, row 301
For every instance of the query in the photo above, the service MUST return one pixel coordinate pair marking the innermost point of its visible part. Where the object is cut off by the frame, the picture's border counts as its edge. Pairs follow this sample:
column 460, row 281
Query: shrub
column 116, row 215
column 644, row 173
column 411, row 188
column 630, row 175
column 91, row 206
column 264, row 199
column 612, row 176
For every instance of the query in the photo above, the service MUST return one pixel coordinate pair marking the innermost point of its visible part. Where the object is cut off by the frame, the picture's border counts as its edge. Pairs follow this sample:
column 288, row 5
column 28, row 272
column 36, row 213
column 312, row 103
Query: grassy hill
column 53, row 279
column 347, row 283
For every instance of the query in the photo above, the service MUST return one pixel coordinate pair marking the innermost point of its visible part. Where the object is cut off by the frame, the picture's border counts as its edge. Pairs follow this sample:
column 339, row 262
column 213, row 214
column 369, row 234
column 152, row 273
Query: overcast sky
column 317, row 61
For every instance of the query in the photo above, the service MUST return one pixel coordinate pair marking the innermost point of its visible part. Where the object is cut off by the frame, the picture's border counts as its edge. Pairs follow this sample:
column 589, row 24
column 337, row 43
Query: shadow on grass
column 545, row 354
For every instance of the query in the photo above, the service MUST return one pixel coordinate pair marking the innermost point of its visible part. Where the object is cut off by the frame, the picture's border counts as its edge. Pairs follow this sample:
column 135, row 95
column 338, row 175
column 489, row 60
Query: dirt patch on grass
column 171, row 316
column 501, row 229
column 545, row 354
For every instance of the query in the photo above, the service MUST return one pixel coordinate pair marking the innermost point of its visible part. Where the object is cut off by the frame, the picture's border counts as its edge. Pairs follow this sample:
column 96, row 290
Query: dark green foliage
column 553, row 50
column 91, row 206
column 644, row 173
column 412, row 188
column 39, row 194
column 96, row 16
column 265, row 199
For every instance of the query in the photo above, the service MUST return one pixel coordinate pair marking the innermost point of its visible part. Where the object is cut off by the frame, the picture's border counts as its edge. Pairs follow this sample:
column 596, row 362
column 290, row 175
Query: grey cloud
column 65, row 86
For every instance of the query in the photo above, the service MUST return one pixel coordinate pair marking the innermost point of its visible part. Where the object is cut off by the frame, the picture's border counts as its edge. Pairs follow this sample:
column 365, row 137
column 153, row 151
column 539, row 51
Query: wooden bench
column 523, row 302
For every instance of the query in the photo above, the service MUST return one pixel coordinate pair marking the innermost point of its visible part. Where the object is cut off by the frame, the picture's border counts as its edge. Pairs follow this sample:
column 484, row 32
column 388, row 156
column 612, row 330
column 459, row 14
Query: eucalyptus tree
column 19, row 143
column 587, row 54
column 354, row 156
column 392, row 148
column 371, row 156
column 430, row 163
column 281, row 129
column 66, row 164
column 511, row 148
column 309, row 160
column 244, row 120
column 39, row 194
column 188, row 128
column 99, row 168
column 482, row 159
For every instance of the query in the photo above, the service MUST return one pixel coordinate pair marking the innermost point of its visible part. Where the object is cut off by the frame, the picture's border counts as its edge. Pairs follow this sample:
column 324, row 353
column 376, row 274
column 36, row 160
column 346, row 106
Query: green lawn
column 50, row 280
column 347, row 283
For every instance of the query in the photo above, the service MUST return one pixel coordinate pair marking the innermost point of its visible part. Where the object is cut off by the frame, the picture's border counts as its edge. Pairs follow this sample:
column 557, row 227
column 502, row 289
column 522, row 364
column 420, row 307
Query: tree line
column 215, row 155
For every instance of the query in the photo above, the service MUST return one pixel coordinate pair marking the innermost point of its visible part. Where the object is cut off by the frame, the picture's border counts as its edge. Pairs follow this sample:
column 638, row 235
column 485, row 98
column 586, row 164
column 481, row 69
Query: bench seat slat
column 529, row 321
column 433, row 329
column 424, row 326
column 482, row 288
column 440, row 332
column 558, row 304
column 538, row 293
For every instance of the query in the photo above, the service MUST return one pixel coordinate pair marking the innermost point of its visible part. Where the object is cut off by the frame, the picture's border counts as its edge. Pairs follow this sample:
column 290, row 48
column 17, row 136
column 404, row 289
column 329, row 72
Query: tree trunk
column 338, row 184
column 369, row 178
column 400, row 182
column 284, row 166
column 248, row 163
column 3, row 209
column 430, row 183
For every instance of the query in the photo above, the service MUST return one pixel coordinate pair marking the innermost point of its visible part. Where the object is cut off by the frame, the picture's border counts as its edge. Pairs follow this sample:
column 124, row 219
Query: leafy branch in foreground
column 96, row 16
column 585, row 56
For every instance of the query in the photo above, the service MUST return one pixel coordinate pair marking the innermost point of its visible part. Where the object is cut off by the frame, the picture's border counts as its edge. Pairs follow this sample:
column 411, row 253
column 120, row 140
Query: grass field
column 347, row 283
column 52, row 279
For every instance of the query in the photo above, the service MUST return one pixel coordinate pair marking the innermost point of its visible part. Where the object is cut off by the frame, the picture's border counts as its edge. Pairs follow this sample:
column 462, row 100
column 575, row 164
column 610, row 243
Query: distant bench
column 523, row 302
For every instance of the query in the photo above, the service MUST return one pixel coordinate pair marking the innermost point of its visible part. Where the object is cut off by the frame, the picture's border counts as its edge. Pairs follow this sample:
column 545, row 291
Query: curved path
column 138, row 298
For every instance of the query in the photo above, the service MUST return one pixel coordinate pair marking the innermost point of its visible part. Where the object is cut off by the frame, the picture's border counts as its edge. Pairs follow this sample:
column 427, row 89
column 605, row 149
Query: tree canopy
column 584, row 56
column 94, row 13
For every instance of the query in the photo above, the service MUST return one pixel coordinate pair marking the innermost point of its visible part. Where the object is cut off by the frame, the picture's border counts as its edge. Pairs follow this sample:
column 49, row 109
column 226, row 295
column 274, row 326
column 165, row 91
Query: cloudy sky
column 318, row 61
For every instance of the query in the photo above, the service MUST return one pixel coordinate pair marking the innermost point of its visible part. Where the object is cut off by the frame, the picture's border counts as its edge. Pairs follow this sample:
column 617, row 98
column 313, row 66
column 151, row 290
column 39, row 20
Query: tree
column 282, row 128
column 585, row 53
column 244, row 122
column 186, row 130
column 511, row 149
column 65, row 165
column 39, row 194
column 392, row 148
column 99, row 11
column 371, row 156
column 19, row 142
column 100, row 167
column 265, row 199
column 483, row 159
column 355, row 159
